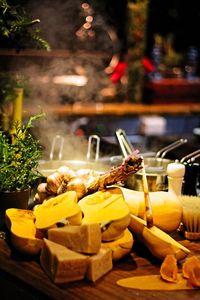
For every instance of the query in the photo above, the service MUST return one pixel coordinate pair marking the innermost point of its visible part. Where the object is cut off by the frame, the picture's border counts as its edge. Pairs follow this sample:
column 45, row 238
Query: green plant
column 16, row 28
column 19, row 157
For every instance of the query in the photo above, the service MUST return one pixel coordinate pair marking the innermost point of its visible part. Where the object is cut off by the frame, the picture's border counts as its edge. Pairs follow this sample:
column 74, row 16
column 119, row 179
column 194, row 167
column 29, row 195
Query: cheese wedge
column 61, row 264
column 99, row 264
column 84, row 238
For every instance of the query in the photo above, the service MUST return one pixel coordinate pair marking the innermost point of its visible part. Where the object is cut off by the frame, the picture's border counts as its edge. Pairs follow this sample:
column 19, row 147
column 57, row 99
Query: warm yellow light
column 87, row 25
column 76, row 80
column 85, row 5
column 89, row 19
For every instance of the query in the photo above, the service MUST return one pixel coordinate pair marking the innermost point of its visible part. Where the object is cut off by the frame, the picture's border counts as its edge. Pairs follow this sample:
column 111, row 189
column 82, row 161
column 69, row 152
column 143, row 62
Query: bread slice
column 61, row 264
column 84, row 238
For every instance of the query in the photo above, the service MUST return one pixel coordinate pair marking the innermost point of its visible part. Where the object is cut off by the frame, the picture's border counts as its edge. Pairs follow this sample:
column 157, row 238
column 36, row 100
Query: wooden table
column 22, row 277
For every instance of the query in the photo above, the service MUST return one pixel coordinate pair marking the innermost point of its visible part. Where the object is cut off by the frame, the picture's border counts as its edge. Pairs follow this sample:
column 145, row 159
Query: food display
column 84, row 222
column 86, row 181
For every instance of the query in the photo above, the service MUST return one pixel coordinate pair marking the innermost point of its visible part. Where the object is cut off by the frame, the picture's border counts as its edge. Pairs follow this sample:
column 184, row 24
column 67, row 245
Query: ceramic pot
column 16, row 199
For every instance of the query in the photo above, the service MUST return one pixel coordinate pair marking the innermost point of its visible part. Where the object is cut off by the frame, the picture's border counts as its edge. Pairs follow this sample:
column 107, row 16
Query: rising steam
column 81, row 32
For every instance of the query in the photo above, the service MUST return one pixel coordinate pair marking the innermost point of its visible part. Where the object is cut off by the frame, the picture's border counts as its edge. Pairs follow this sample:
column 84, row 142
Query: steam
column 60, row 22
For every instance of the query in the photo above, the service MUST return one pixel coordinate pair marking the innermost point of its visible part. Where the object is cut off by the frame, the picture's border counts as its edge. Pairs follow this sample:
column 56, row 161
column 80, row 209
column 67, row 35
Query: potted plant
column 19, row 157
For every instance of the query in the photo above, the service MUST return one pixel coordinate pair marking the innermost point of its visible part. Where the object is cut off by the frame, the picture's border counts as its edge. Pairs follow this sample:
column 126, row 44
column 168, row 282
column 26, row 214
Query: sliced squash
column 169, row 269
column 121, row 246
column 25, row 237
column 157, row 241
column 194, row 278
column 166, row 208
column 108, row 208
column 189, row 264
column 61, row 208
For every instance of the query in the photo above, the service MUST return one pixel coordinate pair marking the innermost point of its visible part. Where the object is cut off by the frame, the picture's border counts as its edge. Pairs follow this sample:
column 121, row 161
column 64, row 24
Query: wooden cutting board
column 139, row 262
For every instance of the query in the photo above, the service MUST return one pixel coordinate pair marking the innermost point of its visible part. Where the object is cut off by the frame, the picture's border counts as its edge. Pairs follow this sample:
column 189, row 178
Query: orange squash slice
column 169, row 268
column 191, row 271
column 194, row 278
column 190, row 263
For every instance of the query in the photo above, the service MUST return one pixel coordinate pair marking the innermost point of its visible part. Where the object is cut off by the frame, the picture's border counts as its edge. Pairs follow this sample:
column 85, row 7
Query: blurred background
column 112, row 64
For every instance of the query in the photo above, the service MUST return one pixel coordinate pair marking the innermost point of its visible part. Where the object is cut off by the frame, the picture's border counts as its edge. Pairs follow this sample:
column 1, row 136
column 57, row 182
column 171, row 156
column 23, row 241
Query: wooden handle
column 148, row 209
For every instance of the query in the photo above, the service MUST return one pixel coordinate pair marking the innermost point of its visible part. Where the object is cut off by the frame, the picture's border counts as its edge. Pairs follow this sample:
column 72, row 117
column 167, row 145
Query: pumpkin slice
column 108, row 208
column 166, row 208
column 157, row 241
column 194, row 278
column 190, row 263
column 58, row 209
column 121, row 246
column 25, row 237
column 169, row 268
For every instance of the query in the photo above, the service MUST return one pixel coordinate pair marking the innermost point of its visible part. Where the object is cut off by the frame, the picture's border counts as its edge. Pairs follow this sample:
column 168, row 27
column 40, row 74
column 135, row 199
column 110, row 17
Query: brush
column 191, row 216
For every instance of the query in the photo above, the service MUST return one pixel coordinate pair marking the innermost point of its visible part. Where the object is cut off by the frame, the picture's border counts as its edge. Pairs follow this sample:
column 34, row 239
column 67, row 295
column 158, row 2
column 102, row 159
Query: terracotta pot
column 18, row 199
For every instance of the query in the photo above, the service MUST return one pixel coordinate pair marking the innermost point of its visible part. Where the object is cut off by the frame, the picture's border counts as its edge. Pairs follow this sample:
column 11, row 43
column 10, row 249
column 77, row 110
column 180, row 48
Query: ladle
column 125, row 145
column 192, row 172
column 57, row 140
column 127, row 148
column 190, row 157
column 170, row 147
column 97, row 147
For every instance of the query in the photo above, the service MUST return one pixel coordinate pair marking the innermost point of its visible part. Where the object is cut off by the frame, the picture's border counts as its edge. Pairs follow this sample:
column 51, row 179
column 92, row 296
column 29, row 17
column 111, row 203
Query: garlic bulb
column 39, row 198
column 53, row 182
column 63, row 187
column 77, row 185
column 42, row 188
column 66, row 173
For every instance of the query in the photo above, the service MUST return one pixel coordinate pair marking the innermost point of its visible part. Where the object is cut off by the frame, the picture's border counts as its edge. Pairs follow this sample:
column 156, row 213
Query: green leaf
column 19, row 159
column 17, row 28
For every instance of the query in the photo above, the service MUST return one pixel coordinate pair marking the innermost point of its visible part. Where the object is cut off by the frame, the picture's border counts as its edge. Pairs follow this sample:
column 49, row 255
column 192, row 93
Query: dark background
column 180, row 17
